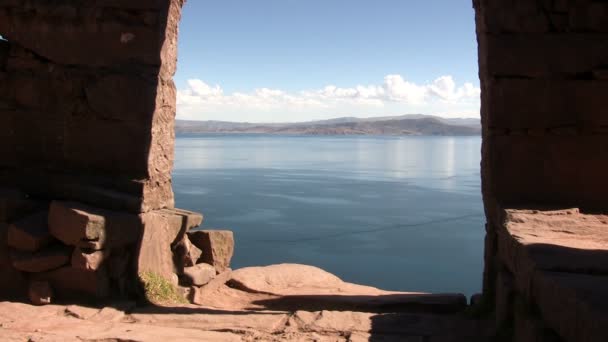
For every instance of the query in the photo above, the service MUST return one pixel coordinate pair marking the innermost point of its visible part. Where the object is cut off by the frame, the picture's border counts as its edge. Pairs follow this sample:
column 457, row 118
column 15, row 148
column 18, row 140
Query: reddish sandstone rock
column 79, row 225
column 185, row 254
column 49, row 258
column 31, row 233
column 160, row 230
column 40, row 293
column 198, row 275
column 72, row 283
column 91, row 260
column 217, row 247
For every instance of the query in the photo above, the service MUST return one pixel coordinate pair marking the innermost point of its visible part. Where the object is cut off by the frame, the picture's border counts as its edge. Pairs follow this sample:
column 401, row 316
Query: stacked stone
column 201, row 257
column 543, row 67
column 69, row 250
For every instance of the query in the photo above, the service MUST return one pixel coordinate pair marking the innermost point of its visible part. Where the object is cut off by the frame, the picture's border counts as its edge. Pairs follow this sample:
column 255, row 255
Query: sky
column 300, row 60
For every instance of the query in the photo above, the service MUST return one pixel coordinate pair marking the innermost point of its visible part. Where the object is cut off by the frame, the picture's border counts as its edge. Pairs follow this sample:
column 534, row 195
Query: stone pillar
column 87, row 101
column 543, row 67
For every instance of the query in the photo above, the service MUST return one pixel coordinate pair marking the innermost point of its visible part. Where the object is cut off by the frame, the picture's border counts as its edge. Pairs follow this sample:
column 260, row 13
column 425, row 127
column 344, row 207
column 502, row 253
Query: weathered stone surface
column 160, row 230
column 201, row 295
column 217, row 247
column 40, row 293
column 189, row 219
column 73, row 283
column 49, row 258
column 31, row 233
column 89, row 260
column 574, row 305
column 185, row 254
column 79, row 225
column 310, row 287
column 560, row 240
column 198, row 275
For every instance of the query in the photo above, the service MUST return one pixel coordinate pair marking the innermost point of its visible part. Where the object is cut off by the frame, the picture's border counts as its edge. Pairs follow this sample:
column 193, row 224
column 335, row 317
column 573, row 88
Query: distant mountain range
column 411, row 124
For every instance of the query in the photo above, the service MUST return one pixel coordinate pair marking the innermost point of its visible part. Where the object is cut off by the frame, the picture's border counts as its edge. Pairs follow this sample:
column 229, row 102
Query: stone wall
column 87, row 110
column 544, row 79
column 87, row 101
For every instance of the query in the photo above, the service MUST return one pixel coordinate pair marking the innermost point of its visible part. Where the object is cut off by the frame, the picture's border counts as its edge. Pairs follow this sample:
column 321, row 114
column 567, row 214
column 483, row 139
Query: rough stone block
column 40, row 293
column 31, row 233
column 525, row 104
column 49, row 258
column 185, row 254
column 160, row 230
column 82, row 226
column 534, row 55
column 198, row 275
column 106, row 98
column 574, row 305
column 106, row 146
column 217, row 247
column 89, row 260
column 554, row 170
column 72, row 283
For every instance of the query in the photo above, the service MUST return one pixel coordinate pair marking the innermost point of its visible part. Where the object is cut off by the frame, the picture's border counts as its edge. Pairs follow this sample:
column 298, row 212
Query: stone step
column 31, row 233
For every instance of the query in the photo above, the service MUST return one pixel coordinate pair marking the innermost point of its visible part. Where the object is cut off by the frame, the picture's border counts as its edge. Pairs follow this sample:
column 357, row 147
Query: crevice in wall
column 4, row 50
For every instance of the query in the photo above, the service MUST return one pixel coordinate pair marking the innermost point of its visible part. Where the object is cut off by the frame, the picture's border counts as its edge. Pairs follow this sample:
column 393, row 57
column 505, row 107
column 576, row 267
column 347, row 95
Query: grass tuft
column 159, row 291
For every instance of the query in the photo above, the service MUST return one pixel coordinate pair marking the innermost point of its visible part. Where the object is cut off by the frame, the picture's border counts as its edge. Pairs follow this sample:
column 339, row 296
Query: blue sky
column 296, row 60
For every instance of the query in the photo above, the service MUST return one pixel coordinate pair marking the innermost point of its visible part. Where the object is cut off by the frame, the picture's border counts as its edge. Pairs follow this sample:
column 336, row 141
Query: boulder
column 88, row 260
column 31, row 233
column 73, row 283
column 198, row 275
column 49, row 258
column 79, row 225
column 217, row 247
column 40, row 293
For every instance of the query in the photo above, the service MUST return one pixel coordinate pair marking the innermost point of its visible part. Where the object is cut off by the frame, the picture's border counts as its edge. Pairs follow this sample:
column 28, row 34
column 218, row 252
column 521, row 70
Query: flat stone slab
column 83, row 226
column 31, row 233
column 291, row 286
column 195, row 323
column 559, row 240
column 559, row 260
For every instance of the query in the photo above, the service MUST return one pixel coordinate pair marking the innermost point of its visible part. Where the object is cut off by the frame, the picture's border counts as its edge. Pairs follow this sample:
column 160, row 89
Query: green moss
column 159, row 291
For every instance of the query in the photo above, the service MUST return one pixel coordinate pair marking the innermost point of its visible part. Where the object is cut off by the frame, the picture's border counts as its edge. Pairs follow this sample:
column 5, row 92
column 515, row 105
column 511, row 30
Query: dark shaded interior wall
column 543, row 66
column 87, row 101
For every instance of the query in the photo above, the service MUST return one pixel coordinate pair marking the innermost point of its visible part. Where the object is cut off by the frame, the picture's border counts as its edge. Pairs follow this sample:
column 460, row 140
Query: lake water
column 399, row 213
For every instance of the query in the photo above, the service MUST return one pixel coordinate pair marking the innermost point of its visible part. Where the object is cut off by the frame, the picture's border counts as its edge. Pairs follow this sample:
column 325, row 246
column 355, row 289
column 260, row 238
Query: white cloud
column 394, row 96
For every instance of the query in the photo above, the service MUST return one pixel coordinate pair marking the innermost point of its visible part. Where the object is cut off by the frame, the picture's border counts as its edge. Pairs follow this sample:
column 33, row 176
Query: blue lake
column 399, row 213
